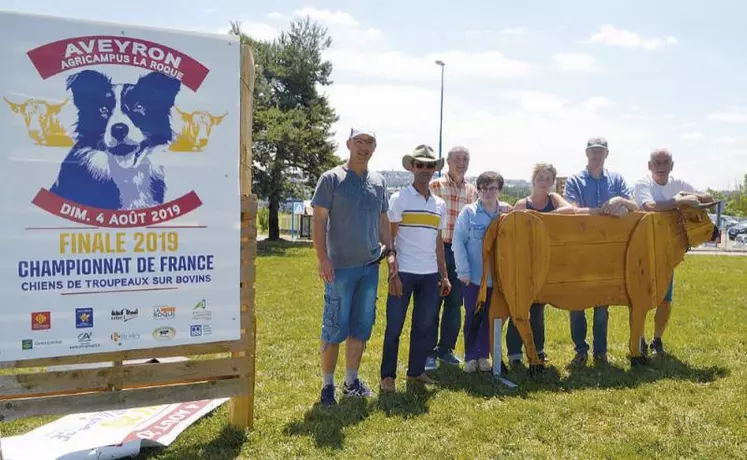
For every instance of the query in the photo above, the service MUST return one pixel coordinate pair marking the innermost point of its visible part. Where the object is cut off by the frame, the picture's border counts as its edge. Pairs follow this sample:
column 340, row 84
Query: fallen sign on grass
column 107, row 435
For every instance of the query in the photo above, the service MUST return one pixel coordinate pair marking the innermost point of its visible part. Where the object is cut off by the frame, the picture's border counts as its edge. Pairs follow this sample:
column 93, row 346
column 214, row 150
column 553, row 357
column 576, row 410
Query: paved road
column 710, row 252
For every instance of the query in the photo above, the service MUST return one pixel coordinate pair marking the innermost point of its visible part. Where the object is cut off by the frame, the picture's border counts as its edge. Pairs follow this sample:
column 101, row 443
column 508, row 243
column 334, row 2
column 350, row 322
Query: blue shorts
column 668, row 296
column 350, row 304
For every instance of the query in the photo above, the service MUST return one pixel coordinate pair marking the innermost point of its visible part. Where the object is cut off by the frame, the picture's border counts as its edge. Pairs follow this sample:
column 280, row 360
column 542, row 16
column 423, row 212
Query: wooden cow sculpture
column 575, row 262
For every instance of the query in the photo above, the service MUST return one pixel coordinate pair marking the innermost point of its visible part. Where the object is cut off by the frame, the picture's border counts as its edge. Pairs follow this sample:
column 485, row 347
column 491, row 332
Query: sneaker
column 601, row 358
column 644, row 347
column 448, row 357
column 579, row 360
column 471, row 366
column 387, row 385
column 484, row 365
column 358, row 389
column 328, row 396
column 657, row 346
column 430, row 363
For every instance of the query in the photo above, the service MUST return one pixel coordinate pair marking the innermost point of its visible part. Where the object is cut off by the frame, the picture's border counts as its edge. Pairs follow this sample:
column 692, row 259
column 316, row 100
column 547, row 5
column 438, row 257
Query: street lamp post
column 441, row 116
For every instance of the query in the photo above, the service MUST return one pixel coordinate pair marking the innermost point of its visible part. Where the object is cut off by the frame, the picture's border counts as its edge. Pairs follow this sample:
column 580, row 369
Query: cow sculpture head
column 693, row 225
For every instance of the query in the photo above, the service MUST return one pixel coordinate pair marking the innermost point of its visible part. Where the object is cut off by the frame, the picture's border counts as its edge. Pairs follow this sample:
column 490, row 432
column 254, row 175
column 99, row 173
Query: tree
column 292, row 122
column 736, row 205
column 735, row 202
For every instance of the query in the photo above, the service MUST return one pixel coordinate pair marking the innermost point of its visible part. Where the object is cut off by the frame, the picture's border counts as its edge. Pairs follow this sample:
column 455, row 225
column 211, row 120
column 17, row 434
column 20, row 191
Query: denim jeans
column 579, row 328
column 350, row 304
column 424, row 290
column 450, row 311
column 514, row 343
column 480, row 347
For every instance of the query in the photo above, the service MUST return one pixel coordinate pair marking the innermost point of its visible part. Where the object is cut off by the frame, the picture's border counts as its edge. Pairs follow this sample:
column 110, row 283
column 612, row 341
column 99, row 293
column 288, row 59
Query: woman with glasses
column 542, row 199
column 469, row 232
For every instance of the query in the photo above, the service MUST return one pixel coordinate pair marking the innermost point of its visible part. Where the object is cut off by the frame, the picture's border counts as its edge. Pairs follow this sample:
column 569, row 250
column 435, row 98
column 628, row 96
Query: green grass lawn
column 692, row 404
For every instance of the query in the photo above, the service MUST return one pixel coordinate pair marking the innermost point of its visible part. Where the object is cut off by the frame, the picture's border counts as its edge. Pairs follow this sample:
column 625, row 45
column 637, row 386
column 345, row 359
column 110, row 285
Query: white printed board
column 120, row 187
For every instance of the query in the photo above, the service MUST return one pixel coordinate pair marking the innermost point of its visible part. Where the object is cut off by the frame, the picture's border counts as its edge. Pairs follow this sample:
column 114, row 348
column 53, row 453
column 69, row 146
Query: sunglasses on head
column 419, row 165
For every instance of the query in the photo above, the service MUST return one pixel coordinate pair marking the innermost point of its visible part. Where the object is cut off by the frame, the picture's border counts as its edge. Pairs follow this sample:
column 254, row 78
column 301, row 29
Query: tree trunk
column 274, row 223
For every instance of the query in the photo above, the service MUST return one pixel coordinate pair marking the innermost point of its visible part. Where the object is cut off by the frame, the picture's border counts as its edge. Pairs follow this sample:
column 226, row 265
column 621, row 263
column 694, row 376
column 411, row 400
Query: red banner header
column 72, row 211
column 73, row 53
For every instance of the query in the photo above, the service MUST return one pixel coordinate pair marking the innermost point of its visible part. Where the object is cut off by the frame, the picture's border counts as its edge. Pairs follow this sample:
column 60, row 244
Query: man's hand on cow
column 614, row 207
column 464, row 279
column 326, row 271
column 505, row 209
column 395, row 286
column 683, row 199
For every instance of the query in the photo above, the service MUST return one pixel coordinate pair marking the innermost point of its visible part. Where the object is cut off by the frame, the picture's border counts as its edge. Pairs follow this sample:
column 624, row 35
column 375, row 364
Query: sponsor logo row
column 84, row 318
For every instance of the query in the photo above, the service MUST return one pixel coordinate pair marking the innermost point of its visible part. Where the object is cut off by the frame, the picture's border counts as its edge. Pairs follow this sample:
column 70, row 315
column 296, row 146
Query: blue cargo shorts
column 350, row 304
column 668, row 296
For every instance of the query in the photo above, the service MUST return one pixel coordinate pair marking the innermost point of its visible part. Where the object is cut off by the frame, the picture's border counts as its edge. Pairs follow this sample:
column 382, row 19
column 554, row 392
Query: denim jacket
column 469, row 232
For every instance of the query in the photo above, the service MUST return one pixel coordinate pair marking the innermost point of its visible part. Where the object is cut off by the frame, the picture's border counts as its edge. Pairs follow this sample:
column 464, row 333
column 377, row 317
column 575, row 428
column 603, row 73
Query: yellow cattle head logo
column 198, row 126
column 42, row 124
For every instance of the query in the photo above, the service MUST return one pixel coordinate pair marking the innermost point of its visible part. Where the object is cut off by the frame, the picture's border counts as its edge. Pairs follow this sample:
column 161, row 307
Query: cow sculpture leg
column 637, row 324
column 522, row 270
column 641, row 283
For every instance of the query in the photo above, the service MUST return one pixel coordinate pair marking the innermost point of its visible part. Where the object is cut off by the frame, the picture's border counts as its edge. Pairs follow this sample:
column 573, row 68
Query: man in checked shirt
column 456, row 192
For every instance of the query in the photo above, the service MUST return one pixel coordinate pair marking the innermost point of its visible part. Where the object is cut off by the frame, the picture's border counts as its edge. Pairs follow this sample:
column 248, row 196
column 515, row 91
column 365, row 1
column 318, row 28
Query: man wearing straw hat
column 417, row 217
column 351, row 236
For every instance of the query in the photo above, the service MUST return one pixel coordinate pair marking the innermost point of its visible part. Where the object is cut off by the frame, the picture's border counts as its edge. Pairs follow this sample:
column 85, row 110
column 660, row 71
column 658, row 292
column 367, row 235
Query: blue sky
column 525, row 81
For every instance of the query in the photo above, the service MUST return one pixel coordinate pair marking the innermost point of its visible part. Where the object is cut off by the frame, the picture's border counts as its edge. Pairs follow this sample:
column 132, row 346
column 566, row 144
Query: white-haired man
column 457, row 193
column 659, row 191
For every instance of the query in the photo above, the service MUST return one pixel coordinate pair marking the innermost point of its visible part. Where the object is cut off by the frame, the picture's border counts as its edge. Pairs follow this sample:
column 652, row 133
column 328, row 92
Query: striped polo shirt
column 420, row 219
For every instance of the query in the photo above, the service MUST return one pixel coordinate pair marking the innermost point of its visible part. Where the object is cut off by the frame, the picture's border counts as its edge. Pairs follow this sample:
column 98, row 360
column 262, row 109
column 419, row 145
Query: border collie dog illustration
column 118, row 127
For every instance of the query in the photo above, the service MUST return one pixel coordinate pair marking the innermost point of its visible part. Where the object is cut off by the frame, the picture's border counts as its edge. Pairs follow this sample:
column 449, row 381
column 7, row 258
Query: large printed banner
column 120, row 187
column 107, row 435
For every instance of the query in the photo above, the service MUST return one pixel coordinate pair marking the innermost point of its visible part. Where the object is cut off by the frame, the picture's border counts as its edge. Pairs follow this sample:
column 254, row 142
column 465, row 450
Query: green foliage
column 511, row 194
column 735, row 201
column 292, row 122
column 263, row 219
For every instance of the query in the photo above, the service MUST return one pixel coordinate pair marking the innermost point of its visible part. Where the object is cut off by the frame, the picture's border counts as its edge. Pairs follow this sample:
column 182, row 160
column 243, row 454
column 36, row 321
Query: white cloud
column 531, row 126
column 728, row 117
column 277, row 16
column 536, row 101
column 256, row 30
column 338, row 17
column 513, row 31
column 398, row 65
column 595, row 103
column 726, row 140
column 612, row 36
column 693, row 136
column 575, row 62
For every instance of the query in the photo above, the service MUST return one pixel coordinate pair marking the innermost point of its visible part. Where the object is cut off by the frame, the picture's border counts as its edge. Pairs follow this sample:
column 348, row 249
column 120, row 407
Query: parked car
column 741, row 240
column 725, row 222
column 738, row 229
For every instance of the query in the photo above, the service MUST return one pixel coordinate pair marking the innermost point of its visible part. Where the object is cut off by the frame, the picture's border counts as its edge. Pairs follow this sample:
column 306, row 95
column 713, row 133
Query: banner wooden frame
column 119, row 384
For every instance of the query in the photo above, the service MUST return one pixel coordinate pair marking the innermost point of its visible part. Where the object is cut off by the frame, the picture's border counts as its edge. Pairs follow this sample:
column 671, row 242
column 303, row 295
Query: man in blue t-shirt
column 596, row 188
column 351, row 235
